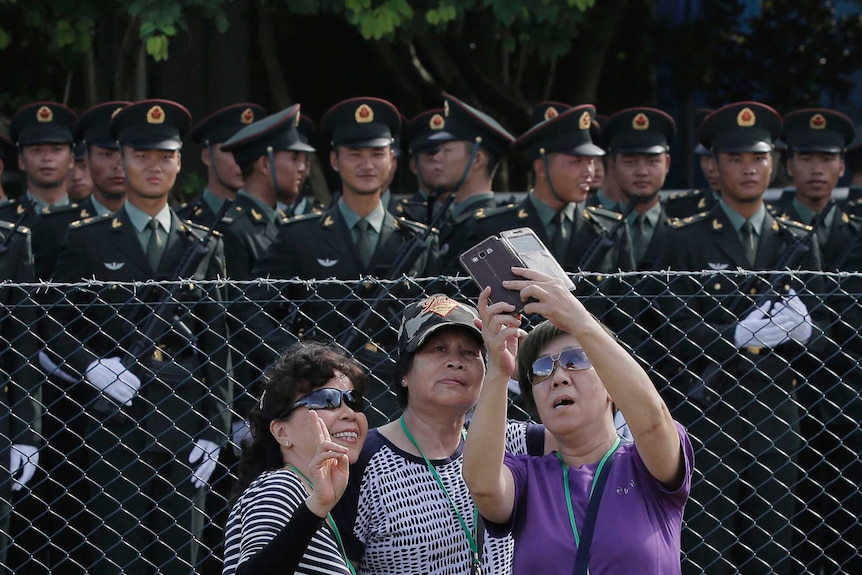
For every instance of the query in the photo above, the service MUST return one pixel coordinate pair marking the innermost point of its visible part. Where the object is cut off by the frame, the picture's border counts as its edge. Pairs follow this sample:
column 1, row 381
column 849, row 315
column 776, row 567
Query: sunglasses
column 570, row 359
column 328, row 398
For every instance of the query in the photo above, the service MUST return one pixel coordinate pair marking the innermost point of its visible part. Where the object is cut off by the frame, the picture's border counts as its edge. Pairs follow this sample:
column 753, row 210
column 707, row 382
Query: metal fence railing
column 775, row 427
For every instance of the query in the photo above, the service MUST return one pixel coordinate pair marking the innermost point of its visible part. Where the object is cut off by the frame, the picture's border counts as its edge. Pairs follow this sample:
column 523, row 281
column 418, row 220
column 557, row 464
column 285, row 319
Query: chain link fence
column 775, row 426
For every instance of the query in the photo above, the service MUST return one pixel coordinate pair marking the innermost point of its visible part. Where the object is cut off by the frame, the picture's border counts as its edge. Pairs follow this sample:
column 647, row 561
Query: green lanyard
column 605, row 457
column 331, row 524
column 474, row 547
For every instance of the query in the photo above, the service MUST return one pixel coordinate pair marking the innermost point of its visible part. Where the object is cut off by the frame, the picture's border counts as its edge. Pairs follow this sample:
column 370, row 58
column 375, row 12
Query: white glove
column 111, row 377
column 209, row 452
column 24, row 458
column 759, row 330
column 239, row 432
column 794, row 316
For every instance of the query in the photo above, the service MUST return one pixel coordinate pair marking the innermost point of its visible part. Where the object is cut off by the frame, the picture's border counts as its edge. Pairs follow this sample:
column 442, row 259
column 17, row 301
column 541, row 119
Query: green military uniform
column 690, row 202
column 465, row 123
column 830, row 501
column 142, row 473
column 320, row 246
column 740, row 510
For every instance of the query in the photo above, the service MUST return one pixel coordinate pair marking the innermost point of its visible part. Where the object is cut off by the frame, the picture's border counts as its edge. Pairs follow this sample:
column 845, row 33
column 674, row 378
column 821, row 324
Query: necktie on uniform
column 560, row 241
column 364, row 244
column 155, row 244
column 746, row 234
column 639, row 237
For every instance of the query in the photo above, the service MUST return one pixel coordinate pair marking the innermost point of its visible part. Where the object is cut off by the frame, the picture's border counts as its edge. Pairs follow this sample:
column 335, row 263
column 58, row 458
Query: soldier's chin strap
column 271, row 155
column 440, row 190
column 211, row 152
column 548, row 176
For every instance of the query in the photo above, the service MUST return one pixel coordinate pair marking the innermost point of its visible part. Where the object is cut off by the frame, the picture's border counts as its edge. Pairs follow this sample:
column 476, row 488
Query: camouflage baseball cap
column 423, row 318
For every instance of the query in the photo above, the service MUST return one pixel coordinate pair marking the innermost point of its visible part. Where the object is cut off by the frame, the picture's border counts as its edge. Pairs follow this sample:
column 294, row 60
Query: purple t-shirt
column 638, row 525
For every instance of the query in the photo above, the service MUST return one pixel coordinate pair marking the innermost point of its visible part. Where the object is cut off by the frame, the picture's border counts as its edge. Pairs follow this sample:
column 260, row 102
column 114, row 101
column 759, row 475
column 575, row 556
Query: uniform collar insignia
column 116, row 224
column 328, row 222
column 522, row 213
column 701, row 203
column 717, row 225
column 20, row 209
column 85, row 213
column 256, row 215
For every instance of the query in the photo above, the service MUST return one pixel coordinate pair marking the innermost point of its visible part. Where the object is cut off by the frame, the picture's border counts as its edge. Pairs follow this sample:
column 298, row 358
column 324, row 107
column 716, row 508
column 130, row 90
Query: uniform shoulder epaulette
column 603, row 213
column 483, row 213
column 685, row 194
column 290, row 220
column 198, row 229
column 8, row 202
column 793, row 224
column 232, row 214
column 688, row 220
column 91, row 220
column 11, row 226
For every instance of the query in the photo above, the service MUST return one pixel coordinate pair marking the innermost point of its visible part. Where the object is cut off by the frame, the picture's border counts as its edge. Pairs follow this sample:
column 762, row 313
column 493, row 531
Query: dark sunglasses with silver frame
column 324, row 398
column 571, row 359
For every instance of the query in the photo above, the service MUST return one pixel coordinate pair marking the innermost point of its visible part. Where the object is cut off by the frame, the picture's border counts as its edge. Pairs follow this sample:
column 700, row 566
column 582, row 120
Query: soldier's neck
column 49, row 196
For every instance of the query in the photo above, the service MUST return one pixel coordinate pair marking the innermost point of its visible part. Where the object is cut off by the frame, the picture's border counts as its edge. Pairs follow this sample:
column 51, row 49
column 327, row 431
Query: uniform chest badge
column 718, row 267
column 114, row 266
column 327, row 263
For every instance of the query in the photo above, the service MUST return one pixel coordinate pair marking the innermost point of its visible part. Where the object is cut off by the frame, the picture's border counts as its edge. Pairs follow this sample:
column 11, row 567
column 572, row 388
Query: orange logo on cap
column 441, row 305
column 247, row 116
column 45, row 114
column 156, row 115
column 551, row 112
column 746, row 118
column 817, row 122
column 364, row 114
column 436, row 122
column 585, row 121
column 640, row 122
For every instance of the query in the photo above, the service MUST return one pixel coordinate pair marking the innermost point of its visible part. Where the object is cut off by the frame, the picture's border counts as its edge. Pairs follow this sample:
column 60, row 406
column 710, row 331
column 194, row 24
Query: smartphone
column 535, row 255
column 490, row 263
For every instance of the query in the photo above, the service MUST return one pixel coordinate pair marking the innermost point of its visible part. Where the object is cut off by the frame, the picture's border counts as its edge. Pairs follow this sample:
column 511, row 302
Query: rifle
column 157, row 324
column 706, row 391
column 605, row 240
column 407, row 254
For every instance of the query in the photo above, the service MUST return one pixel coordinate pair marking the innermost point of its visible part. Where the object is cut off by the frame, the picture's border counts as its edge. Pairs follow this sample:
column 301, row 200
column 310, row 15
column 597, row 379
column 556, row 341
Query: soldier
column 745, row 352
column 562, row 155
column 698, row 200
column 80, row 183
column 22, row 547
column 356, row 237
column 639, row 143
column 816, row 139
column 471, row 147
column 273, row 161
column 160, row 389
column 425, row 203
column 224, row 176
column 42, row 132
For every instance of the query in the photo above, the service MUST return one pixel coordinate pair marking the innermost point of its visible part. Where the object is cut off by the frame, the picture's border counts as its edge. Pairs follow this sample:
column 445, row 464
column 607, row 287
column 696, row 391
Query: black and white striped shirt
column 263, row 511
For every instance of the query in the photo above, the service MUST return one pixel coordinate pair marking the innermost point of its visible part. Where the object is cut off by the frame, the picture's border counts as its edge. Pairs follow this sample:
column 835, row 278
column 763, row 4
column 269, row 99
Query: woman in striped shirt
column 306, row 429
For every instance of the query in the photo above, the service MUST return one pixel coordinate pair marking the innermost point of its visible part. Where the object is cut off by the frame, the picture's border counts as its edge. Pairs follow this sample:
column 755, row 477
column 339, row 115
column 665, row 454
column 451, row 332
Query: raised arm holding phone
column 577, row 374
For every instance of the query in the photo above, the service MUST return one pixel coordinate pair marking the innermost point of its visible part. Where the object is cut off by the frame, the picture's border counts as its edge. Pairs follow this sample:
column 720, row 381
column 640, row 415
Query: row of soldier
column 125, row 231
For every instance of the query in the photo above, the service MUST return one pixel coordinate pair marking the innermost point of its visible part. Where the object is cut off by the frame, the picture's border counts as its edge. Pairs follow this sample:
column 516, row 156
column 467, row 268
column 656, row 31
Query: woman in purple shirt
column 577, row 375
